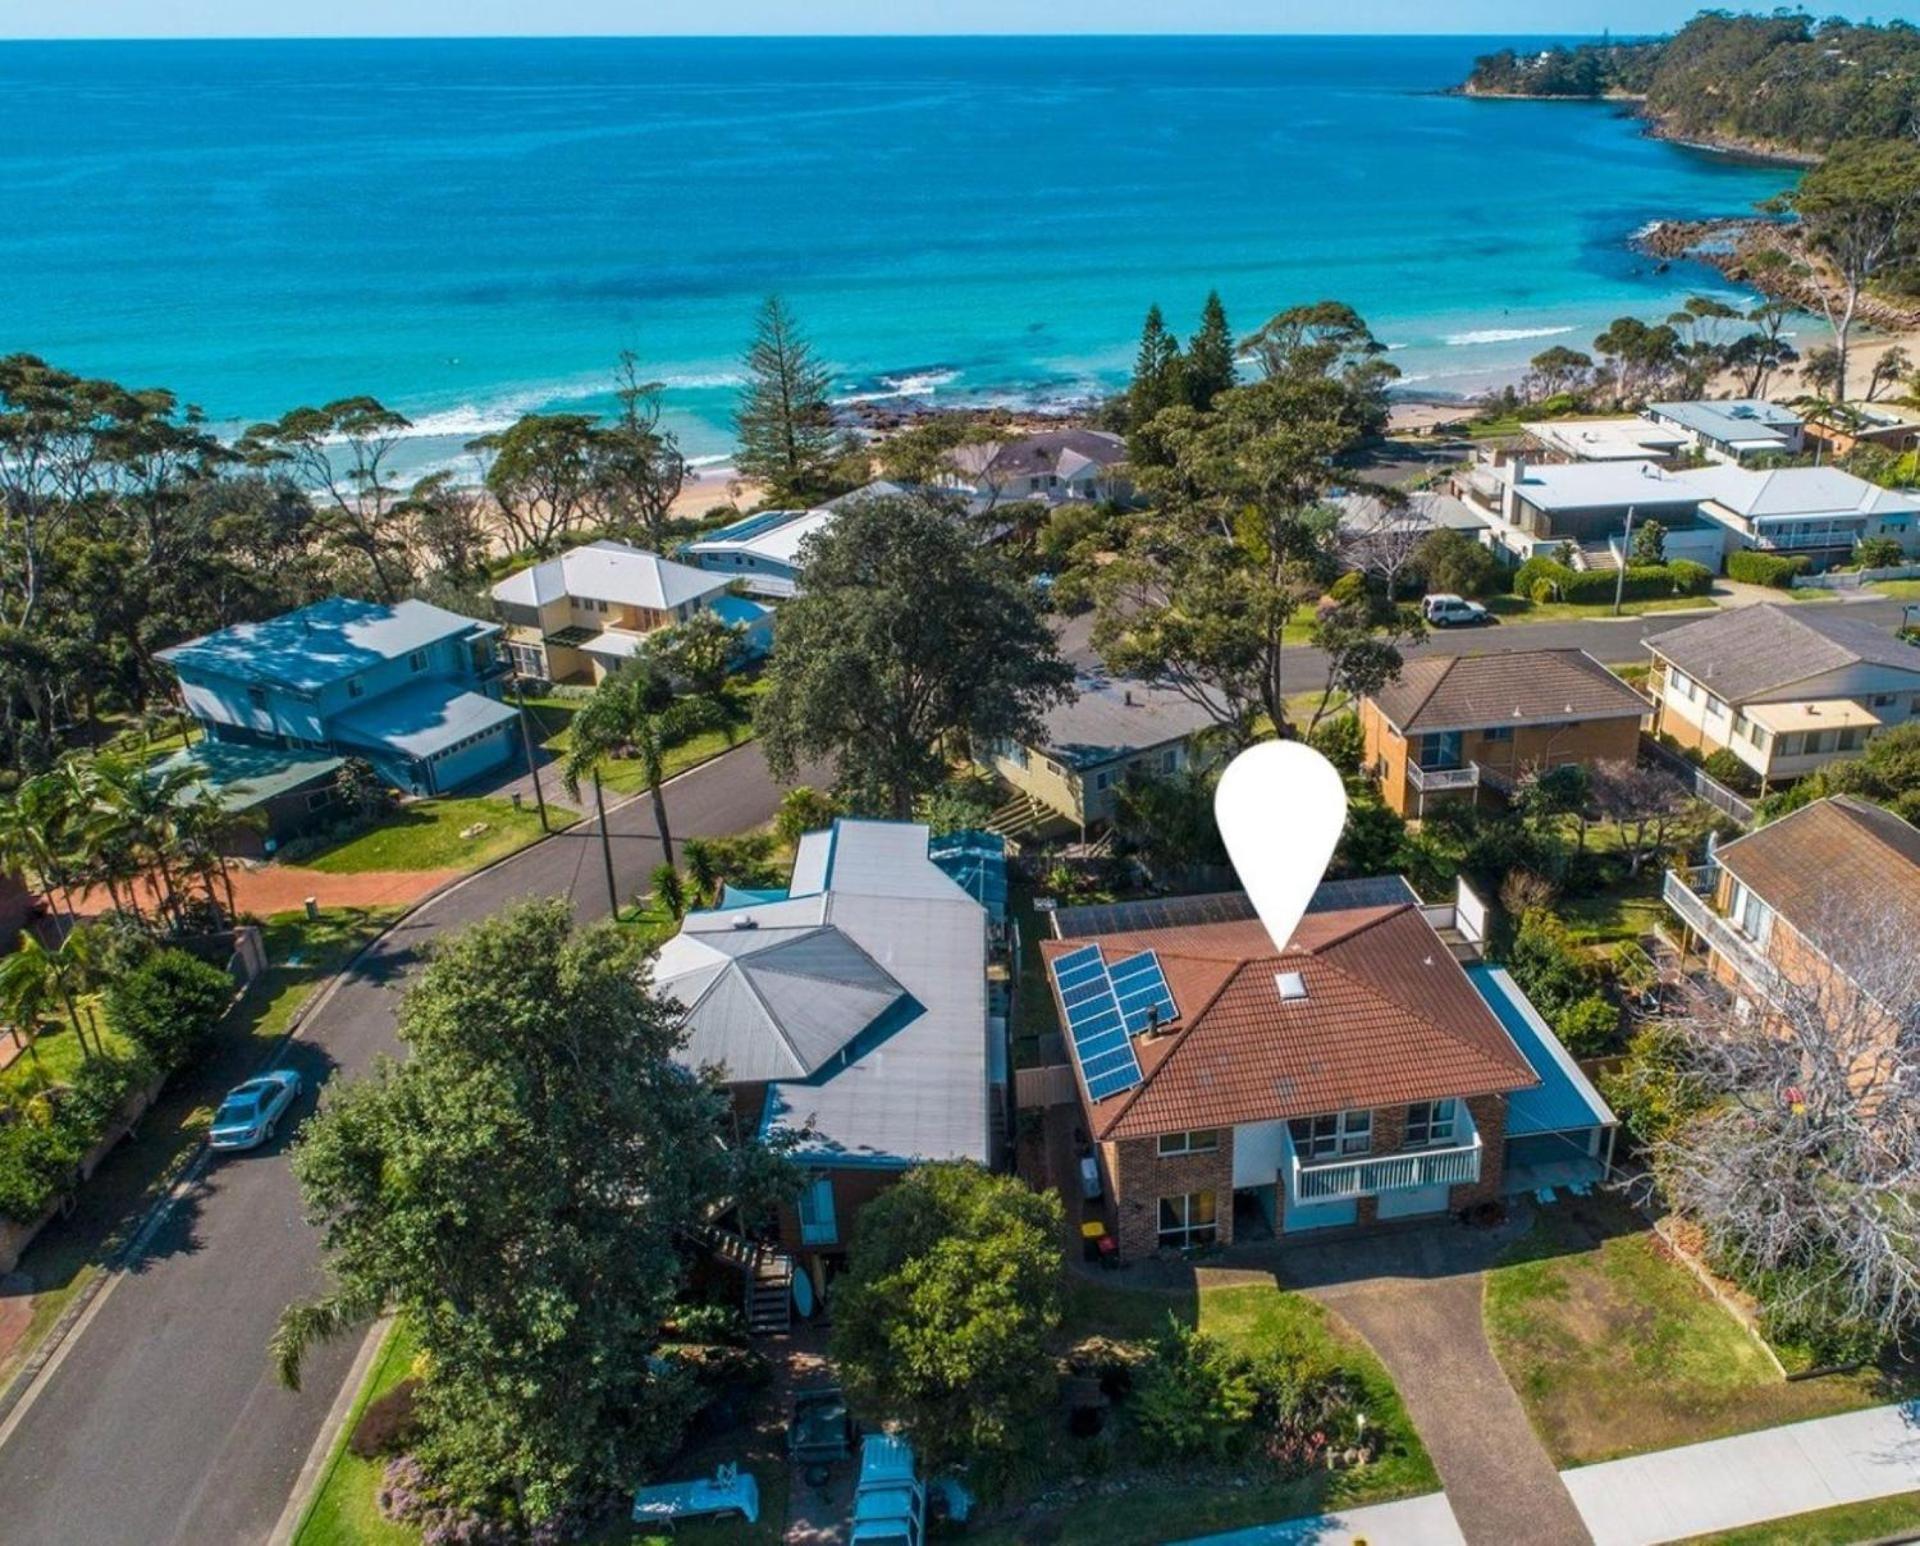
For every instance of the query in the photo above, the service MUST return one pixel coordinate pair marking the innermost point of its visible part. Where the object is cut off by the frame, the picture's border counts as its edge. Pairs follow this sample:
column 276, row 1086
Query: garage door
column 1320, row 1215
column 1412, row 1202
column 467, row 763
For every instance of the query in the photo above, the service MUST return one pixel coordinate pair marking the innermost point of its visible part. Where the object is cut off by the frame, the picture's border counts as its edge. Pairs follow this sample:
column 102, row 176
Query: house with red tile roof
column 1375, row 1069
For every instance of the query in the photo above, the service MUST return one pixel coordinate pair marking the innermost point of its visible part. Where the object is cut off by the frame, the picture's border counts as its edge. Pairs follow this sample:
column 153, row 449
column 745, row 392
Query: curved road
column 159, row 1421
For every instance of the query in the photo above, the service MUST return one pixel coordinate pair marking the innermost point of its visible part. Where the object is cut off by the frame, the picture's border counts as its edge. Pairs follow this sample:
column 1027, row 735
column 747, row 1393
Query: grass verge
column 1156, row 1502
column 1518, row 609
column 344, row 1511
column 428, row 835
column 1615, row 1348
column 1877, row 1519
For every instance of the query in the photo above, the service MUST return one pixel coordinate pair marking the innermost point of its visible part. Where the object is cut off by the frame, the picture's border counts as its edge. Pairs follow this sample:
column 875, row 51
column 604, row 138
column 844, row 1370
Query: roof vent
column 745, row 921
column 1291, row 985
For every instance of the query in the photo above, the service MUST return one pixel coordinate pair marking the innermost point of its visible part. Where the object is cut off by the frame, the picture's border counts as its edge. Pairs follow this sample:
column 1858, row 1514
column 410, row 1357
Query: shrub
column 1730, row 770
column 1689, row 578
column 1197, row 1398
column 1879, row 553
column 1341, row 741
column 388, row 1424
column 1753, row 567
column 1550, row 968
column 1804, row 1314
column 1589, row 1026
column 1649, row 544
column 1349, row 589
column 1547, row 579
column 1542, row 579
column 1449, row 560
column 1655, row 1092
column 803, row 809
column 169, row 1005
column 43, row 1140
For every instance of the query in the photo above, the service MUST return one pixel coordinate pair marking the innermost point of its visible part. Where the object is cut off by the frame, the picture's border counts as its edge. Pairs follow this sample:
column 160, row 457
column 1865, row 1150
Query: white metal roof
column 610, row 571
column 1602, row 485
column 1796, row 492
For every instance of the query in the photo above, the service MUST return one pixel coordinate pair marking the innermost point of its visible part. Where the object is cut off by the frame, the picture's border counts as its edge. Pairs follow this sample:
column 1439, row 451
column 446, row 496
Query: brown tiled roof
column 1836, row 860
column 1389, row 1018
column 1512, row 687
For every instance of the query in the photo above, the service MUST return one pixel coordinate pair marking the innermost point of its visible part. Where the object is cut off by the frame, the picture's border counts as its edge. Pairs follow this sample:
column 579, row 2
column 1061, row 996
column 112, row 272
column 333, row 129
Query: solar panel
column 1095, row 1023
column 1140, row 987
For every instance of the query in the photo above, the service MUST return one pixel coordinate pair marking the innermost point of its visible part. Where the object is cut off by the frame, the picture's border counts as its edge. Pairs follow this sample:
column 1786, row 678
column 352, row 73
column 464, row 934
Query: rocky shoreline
column 1764, row 254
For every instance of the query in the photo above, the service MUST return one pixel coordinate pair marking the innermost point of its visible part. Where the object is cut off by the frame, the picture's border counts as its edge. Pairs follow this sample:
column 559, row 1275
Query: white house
column 1056, row 467
column 1819, row 511
column 761, row 551
column 1734, row 430
column 1608, row 440
column 1532, row 508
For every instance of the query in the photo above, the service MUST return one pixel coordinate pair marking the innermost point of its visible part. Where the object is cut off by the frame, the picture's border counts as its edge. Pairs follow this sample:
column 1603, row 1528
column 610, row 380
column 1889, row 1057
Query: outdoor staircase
column 1022, row 817
column 767, row 1274
column 1596, row 556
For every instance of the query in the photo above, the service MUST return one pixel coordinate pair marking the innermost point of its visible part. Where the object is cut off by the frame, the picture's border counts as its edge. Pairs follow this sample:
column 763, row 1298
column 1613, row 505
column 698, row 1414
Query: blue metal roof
column 423, row 718
column 1565, row 1099
column 333, row 639
column 978, row 862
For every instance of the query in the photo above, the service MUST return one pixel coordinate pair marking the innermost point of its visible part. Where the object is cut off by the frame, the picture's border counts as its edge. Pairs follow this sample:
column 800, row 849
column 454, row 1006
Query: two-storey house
column 1534, row 507
column 1734, row 429
column 1817, row 907
column 411, row 688
column 1232, row 1090
column 1820, row 512
column 862, row 1012
column 761, row 552
column 1452, row 726
column 578, row 617
column 1053, row 467
column 1787, row 689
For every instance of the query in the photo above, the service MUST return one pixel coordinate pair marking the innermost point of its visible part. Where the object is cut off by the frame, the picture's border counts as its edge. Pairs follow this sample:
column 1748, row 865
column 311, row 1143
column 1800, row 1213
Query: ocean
column 470, row 230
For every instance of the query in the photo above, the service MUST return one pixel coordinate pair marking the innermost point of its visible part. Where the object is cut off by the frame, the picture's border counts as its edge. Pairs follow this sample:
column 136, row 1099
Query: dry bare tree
column 1383, row 537
column 1807, row 1162
column 1645, row 801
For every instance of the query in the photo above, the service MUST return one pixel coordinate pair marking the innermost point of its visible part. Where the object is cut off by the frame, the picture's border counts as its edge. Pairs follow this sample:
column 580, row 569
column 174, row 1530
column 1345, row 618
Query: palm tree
column 203, row 822
column 36, row 832
column 625, row 716
column 27, row 992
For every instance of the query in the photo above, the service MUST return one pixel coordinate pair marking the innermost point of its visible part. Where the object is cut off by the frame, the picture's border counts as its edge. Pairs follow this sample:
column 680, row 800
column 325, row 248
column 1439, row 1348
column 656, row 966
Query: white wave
column 699, row 380
column 915, row 384
column 1501, row 335
column 718, row 459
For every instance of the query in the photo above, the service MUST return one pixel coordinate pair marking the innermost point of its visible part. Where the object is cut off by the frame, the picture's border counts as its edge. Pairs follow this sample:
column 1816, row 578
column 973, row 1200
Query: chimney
column 1292, row 986
column 744, row 921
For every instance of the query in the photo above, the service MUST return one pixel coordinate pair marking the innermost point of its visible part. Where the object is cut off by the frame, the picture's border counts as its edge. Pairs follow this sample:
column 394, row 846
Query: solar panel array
column 1095, row 1023
column 1141, row 988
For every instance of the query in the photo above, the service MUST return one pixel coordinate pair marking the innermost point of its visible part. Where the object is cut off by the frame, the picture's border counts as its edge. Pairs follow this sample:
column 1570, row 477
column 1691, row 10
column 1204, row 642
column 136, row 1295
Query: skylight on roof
column 1291, row 985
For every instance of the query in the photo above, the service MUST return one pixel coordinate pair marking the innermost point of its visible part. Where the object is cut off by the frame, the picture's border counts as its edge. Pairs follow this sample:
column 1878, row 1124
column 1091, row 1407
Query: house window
column 1102, row 780
column 257, row 696
column 1439, row 752
column 1716, row 707
column 1430, row 1122
column 1682, row 684
column 417, row 661
column 354, row 687
column 1205, row 1141
column 1170, row 759
column 1853, row 738
column 817, row 1224
column 1497, row 734
column 1751, row 916
column 319, row 799
column 1820, row 742
column 1343, row 1132
column 1790, row 743
column 1188, row 1220
column 1881, row 700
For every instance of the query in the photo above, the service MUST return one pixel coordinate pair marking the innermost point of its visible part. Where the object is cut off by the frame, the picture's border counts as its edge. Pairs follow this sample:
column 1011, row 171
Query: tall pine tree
column 784, row 421
column 1209, row 365
column 1156, row 370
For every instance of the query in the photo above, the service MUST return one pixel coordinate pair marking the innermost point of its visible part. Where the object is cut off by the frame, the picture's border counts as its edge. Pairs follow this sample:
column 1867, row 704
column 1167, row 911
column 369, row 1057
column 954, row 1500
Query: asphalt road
column 160, row 1422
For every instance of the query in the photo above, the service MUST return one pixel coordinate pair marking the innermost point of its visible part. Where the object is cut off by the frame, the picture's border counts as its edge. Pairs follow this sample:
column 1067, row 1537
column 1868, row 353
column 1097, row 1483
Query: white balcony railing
column 1688, row 893
column 1369, row 1175
column 1428, row 780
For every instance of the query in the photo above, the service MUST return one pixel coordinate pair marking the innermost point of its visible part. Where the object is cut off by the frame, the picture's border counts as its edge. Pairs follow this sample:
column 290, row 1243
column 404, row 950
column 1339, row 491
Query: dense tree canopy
column 907, row 640
column 516, row 1188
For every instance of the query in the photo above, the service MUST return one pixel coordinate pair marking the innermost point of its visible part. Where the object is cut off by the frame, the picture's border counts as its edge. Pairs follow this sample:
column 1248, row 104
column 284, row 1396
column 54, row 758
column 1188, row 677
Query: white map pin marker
column 1280, row 807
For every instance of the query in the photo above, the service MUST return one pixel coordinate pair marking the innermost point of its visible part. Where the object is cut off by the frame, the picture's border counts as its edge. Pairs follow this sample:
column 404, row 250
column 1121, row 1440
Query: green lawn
column 1848, row 1523
column 343, row 1511
column 426, row 835
column 56, row 1055
column 554, row 717
column 1615, row 1348
column 66, row 1256
column 1165, row 1503
column 1898, row 590
column 1518, row 609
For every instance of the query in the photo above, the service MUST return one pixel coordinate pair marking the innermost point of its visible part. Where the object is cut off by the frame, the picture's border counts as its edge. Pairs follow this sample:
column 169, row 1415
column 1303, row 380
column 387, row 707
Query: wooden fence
column 1039, row 1088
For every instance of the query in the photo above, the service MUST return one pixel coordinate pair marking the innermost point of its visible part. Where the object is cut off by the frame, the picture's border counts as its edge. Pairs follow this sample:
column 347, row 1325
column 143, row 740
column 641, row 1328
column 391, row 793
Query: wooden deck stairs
column 767, row 1279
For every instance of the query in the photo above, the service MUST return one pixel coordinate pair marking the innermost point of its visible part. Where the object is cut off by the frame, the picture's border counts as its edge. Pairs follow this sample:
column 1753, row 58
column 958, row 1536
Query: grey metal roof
column 422, row 718
column 610, row 571
column 1424, row 510
column 1787, row 492
column 1736, row 420
column 1111, row 717
column 326, row 642
column 873, row 971
column 1602, row 486
column 1750, row 651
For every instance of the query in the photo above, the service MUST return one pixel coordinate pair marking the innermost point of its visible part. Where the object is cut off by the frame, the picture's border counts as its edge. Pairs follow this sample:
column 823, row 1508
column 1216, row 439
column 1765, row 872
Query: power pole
column 606, row 846
column 526, row 745
column 1626, row 552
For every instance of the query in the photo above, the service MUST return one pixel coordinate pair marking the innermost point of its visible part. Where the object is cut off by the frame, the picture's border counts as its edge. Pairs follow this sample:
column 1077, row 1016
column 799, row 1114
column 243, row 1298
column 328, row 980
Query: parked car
column 730, row 1493
column 247, row 1117
column 1445, row 610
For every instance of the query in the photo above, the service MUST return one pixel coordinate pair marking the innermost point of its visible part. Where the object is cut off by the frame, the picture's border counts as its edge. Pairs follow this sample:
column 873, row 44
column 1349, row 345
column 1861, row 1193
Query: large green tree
column 784, row 421
column 642, row 469
column 1210, row 368
column 943, row 1319
column 1329, row 340
column 516, row 1189
column 907, row 638
column 1157, row 370
column 544, row 472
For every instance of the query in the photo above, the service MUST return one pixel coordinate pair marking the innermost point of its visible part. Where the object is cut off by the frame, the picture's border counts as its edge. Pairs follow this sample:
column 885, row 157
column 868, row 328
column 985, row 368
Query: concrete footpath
column 1776, row 1473
column 1422, row 1521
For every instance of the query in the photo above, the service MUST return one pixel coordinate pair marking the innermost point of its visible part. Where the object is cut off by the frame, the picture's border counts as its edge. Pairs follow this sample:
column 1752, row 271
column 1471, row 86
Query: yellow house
column 1112, row 728
column 1786, row 689
column 577, row 617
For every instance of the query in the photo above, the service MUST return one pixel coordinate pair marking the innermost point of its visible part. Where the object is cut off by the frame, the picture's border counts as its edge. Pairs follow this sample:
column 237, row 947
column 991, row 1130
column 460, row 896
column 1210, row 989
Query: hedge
column 1547, row 579
column 44, row 1143
column 1753, row 567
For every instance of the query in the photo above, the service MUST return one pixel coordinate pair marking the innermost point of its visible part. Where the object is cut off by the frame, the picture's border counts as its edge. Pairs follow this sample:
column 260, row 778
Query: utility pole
column 1626, row 552
column 606, row 846
column 526, row 745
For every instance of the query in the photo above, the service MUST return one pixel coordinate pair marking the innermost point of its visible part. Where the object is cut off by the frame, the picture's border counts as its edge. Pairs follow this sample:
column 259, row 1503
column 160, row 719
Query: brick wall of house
column 1137, row 1177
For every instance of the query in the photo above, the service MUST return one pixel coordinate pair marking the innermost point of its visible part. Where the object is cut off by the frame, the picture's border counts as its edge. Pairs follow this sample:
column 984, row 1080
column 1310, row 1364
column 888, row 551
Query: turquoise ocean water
column 472, row 229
